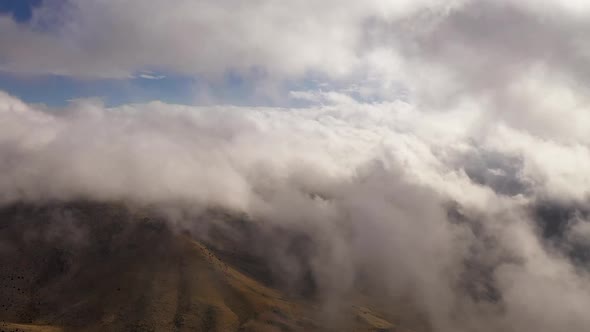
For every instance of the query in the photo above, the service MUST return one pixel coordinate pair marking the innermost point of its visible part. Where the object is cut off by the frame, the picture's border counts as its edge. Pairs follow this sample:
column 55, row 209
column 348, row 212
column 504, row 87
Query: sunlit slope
column 12, row 327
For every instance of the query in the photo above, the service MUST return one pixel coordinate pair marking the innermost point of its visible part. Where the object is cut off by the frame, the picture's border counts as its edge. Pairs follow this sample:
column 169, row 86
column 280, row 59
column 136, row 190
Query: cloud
column 429, row 51
column 383, row 192
column 115, row 40
column 151, row 76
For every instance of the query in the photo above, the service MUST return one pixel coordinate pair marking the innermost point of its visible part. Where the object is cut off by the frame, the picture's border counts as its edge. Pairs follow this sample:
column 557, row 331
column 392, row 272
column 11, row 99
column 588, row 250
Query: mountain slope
column 104, row 267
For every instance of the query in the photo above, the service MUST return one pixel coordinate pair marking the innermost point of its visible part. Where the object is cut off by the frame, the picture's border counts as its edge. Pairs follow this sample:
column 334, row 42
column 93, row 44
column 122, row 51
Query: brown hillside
column 100, row 267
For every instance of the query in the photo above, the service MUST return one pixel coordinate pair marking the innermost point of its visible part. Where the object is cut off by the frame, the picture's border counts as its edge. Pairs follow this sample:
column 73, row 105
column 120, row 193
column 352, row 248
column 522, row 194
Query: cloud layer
column 115, row 39
column 403, row 200
column 474, row 44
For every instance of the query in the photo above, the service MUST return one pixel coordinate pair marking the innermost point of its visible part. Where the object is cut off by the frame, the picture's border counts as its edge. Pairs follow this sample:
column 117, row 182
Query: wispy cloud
column 151, row 76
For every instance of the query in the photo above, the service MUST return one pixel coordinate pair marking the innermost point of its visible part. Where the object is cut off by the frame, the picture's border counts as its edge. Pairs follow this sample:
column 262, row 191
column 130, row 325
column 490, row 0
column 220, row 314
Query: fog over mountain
column 442, row 165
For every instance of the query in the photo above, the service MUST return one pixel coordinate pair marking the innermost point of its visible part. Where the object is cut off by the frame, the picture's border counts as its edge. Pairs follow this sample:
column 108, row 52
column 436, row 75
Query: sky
column 442, row 143
column 21, row 11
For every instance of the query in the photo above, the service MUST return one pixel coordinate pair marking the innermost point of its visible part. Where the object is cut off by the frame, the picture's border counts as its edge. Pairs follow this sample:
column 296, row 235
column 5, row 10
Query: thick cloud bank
column 419, row 205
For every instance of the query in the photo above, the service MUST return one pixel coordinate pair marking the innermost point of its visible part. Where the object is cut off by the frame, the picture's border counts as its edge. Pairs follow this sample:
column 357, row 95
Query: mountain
column 109, row 267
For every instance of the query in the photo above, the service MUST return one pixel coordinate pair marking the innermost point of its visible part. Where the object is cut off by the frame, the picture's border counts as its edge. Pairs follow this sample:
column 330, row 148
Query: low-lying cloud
column 403, row 200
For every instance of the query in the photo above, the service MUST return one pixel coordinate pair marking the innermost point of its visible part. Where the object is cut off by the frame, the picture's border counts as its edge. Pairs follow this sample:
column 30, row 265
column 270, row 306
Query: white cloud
column 115, row 39
column 371, row 182
column 151, row 76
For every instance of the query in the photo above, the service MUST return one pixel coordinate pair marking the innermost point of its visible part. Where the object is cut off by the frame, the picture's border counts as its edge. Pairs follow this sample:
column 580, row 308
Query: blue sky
column 20, row 10
column 233, row 88
column 57, row 90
